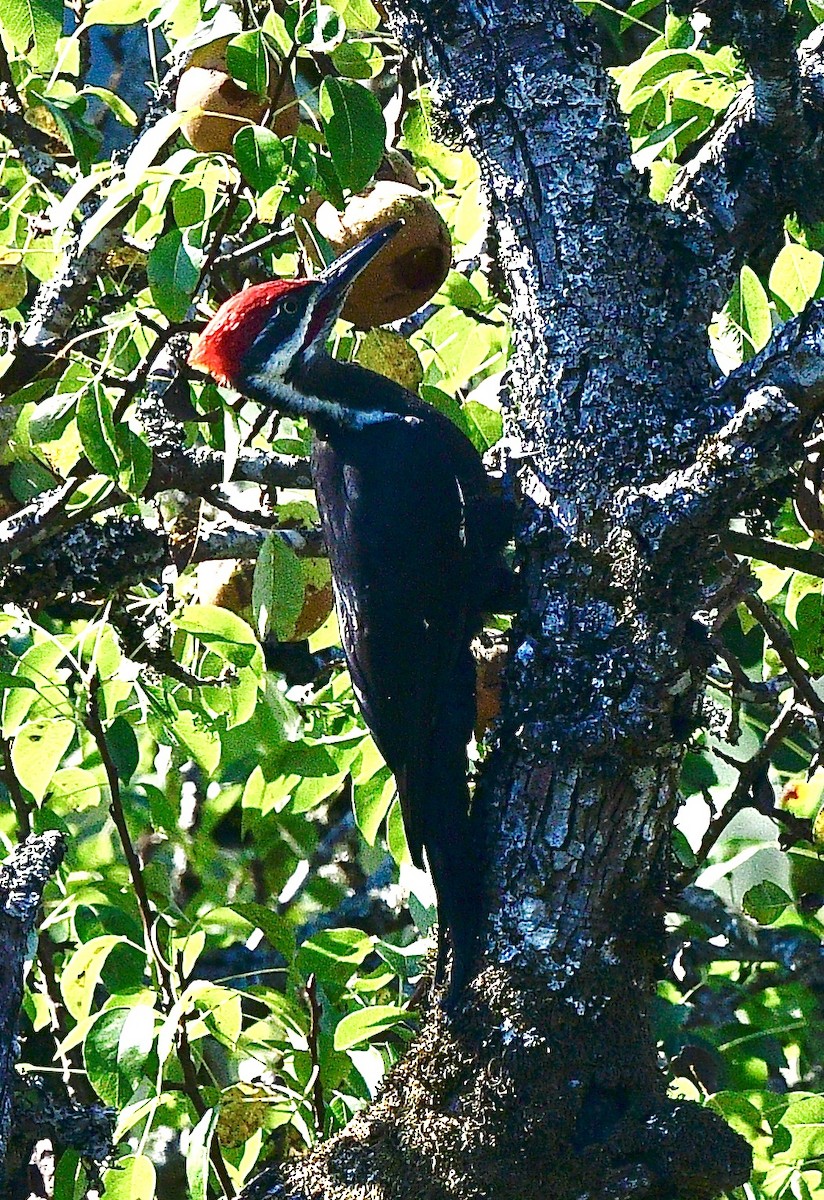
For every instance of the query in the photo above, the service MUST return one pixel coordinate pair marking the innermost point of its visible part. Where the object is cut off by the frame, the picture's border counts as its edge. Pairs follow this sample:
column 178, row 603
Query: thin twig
column 232, row 258
column 162, row 968
column 752, row 690
column 19, row 802
column 187, row 1066
column 783, row 645
column 796, row 558
column 750, row 771
column 118, row 815
column 313, row 1038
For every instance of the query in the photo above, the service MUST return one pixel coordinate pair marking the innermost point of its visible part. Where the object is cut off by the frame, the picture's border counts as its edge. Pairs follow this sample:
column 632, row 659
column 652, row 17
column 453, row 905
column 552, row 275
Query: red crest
column 231, row 331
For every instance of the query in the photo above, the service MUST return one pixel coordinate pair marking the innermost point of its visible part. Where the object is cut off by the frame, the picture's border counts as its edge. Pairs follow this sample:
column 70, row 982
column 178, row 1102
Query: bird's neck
column 335, row 395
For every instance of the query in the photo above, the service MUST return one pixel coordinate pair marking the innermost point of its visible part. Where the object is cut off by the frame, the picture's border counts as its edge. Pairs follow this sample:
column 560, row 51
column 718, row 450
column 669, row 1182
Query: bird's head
column 264, row 340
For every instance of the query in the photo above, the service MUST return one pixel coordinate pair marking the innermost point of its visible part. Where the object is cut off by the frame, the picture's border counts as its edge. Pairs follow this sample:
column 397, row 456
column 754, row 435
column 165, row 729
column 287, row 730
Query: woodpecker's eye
column 290, row 306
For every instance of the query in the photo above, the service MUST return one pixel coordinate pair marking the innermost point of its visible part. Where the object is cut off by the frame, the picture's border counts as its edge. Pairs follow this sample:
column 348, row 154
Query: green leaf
column 358, row 60
column 654, row 68
column 334, row 954
column 274, row 928
column 116, row 1050
column 766, row 902
column 805, row 610
column 396, row 836
column 454, row 347
column 365, row 1024
column 461, row 292
column 95, row 424
column 795, row 279
column 372, row 801
column 405, row 961
column 199, row 737
column 72, row 790
column 37, row 752
column 320, row 29
column 486, row 425
column 224, row 632
column 173, row 274
column 804, row 1119
column 15, row 681
column 355, row 130
column 259, row 154
column 312, row 772
column 749, row 309
column 131, row 1178
column 221, row 1010
column 277, row 589
column 197, row 1156
column 123, row 747
column 81, row 974
column 125, row 114
column 70, row 1179
column 697, row 774
column 33, row 24
column 358, row 14
column 41, row 664
column 247, row 60
column 135, row 460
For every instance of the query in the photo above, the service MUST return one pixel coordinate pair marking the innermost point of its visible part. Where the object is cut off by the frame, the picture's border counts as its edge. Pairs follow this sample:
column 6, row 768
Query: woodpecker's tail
column 449, row 834
column 456, row 872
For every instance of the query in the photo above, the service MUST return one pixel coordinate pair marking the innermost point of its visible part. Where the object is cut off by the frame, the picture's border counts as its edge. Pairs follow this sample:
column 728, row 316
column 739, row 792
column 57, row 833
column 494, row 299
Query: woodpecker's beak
column 339, row 276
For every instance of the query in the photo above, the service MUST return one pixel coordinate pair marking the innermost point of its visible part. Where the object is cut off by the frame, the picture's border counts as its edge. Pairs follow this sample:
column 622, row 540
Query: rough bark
column 631, row 463
column 23, row 876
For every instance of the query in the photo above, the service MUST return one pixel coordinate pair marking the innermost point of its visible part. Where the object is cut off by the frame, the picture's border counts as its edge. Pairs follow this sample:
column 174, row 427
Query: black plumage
column 414, row 537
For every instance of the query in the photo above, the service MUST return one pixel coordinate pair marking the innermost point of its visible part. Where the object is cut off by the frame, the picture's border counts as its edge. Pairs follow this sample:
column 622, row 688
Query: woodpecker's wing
column 395, row 520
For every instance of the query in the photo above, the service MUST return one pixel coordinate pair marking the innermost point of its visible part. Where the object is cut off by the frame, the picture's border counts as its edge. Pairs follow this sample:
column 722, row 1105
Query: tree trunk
column 629, row 462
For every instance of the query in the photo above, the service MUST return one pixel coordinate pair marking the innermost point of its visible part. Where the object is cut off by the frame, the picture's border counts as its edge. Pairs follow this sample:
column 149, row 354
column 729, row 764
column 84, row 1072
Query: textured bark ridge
column 630, row 461
column 23, row 876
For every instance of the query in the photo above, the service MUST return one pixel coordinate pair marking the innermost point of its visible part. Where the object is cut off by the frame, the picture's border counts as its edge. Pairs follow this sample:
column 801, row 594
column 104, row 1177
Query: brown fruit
column 227, row 583
column 318, row 599
column 217, row 107
column 396, row 168
column 409, row 269
column 491, row 654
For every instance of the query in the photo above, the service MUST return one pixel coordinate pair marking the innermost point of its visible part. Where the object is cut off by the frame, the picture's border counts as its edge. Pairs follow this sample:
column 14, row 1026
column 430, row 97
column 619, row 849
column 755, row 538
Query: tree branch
column 779, row 554
column 763, row 31
column 95, row 557
column 765, row 160
column 773, row 400
column 244, row 542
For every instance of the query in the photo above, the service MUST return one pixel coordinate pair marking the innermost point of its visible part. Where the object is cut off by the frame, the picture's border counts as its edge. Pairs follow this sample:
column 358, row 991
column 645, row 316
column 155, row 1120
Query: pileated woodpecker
column 414, row 535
